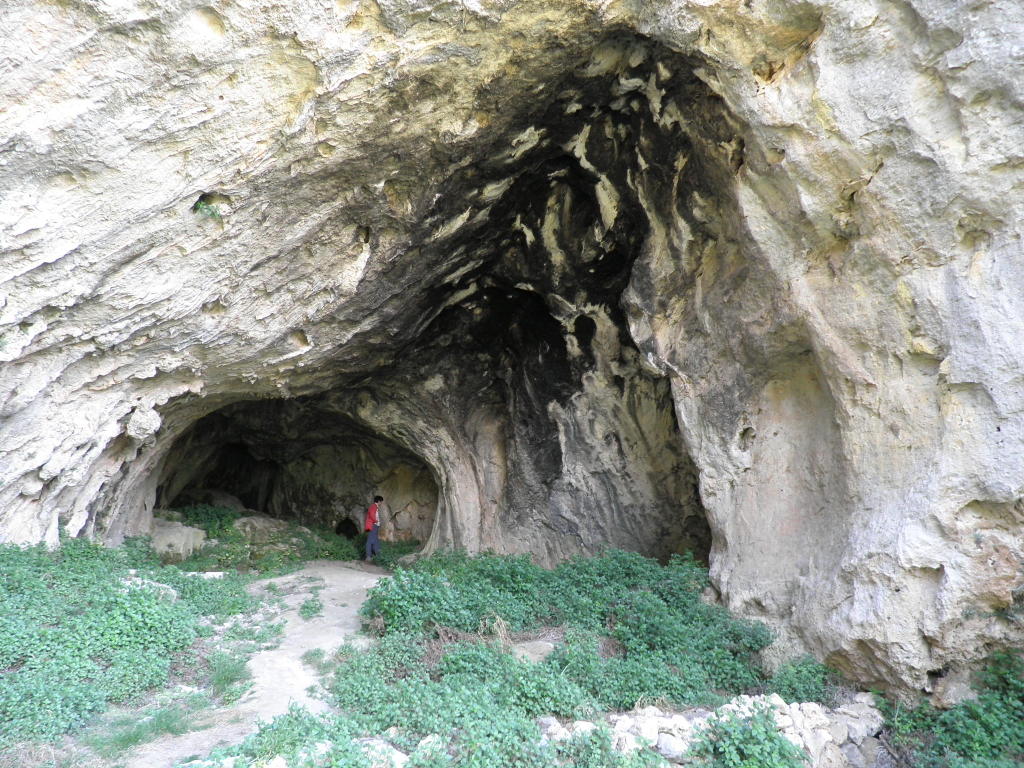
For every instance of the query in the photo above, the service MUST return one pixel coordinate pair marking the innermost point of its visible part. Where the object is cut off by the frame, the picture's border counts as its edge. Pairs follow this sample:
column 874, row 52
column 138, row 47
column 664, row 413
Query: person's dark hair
column 378, row 499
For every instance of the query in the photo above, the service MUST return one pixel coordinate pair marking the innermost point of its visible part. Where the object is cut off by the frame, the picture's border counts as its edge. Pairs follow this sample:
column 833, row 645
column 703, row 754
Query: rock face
column 666, row 275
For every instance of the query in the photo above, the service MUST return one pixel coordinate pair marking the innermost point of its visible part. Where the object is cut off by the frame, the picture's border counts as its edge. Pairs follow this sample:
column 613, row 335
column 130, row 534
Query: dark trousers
column 372, row 543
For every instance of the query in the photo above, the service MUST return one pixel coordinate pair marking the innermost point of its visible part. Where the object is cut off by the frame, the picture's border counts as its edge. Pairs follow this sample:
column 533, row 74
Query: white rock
column 533, row 651
column 381, row 754
column 173, row 541
column 622, row 723
column 671, row 747
column 815, row 741
column 854, row 757
column 649, row 711
column 838, row 730
column 626, row 742
column 826, row 311
column 647, row 729
column 582, row 726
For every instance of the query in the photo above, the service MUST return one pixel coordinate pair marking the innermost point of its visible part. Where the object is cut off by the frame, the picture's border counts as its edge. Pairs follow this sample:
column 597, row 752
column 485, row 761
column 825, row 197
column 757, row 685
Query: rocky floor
column 279, row 677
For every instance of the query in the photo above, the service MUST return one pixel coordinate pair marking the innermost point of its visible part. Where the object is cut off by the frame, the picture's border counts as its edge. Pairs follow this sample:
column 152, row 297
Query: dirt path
column 279, row 678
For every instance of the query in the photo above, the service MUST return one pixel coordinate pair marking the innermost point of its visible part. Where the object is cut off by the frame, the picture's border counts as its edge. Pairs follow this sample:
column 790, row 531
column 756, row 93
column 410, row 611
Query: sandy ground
column 279, row 678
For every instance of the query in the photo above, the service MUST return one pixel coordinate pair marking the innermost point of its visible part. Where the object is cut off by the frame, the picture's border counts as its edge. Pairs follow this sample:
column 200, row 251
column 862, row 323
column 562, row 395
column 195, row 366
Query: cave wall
column 803, row 221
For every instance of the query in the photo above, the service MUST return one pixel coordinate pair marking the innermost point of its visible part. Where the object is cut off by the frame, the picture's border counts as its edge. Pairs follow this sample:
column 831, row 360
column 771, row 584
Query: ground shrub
column 594, row 750
column 228, row 550
column 216, row 521
column 311, row 607
column 987, row 731
column 441, row 667
column 801, row 680
column 85, row 625
column 733, row 741
column 391, row 552
column 227, row 672
column 140, row 727
column 676, row 647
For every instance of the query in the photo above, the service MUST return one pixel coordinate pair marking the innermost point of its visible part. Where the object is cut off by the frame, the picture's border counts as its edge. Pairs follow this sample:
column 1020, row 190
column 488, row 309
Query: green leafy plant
column 392, row 551
column 673, row 645
column 207, row 209
column 732, row 741
column 86, row 625
column 140, row 727
column 988, row 730
column 311, row 607
column 216, row 521
column 803, row 679
column 229, row 674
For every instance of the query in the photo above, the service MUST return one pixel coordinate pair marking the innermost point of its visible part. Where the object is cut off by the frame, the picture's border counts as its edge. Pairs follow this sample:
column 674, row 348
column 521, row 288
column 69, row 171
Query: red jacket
column 371, row 517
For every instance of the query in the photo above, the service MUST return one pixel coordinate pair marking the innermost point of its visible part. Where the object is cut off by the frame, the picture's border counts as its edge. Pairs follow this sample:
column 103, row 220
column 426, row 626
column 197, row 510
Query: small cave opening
column 299, row 460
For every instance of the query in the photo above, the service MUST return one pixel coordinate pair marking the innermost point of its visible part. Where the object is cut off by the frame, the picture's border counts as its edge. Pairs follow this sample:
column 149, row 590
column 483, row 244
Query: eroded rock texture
column 567, row 261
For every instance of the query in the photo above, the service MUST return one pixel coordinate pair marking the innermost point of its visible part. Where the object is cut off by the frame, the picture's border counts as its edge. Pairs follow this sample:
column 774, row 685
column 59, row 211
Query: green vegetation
column 635, row 631
column 671, row 645
column 392, row 551
column 83, row 626
column 732, row 741
column 803, row 680
column 229, row 549
column 229, row 675
column 130, row 730
column 987, row 732
column 205, row 208
column 311, row 607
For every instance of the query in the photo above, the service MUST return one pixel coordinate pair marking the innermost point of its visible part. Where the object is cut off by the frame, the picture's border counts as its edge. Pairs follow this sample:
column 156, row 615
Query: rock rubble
column 842, row 737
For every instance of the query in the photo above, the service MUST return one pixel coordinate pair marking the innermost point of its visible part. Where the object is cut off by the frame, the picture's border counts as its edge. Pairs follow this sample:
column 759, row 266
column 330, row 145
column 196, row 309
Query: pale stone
column 871, row 748
column 814, row 716
column 582, row 726
column 622, row 723
column 260, row 529
column 173, row 541
column 680, row 724
column 432, row 742
column 831, row 756
column 534, row 651
column 551, row 729
column 647, row 729
column 671, row 747
column 626, row 742
column 815, row 740
column 381, row 754
column 649, row 712
column 853, row 755
column 953, row 689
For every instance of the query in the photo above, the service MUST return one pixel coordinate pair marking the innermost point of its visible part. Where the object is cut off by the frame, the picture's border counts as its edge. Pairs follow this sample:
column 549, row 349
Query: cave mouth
column 298, row 460
column 521, row 365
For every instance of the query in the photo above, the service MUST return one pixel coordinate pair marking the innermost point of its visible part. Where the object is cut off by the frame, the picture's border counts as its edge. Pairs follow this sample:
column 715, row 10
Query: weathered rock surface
column 838, row 738
column 579, row 258
column 174, row 541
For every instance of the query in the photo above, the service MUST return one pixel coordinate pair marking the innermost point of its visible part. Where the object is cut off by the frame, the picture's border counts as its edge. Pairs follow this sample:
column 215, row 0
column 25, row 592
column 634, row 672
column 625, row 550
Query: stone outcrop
column 844, row 737
column 174, row 541
column 734, row 276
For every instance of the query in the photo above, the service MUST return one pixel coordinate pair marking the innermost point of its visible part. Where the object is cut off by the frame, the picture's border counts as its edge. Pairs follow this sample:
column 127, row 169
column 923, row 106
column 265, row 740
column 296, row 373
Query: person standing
column 372, row 528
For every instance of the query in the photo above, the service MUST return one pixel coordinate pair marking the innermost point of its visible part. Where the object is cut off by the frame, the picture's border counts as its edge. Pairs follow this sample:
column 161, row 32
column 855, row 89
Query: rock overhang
column 800, row 281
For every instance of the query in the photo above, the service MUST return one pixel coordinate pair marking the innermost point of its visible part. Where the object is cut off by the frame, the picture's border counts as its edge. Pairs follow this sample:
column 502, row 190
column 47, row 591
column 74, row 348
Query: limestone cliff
column 661, row 274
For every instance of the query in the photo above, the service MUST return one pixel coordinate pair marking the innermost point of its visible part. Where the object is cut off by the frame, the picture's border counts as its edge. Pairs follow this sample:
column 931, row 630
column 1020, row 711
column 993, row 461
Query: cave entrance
column 294, row 459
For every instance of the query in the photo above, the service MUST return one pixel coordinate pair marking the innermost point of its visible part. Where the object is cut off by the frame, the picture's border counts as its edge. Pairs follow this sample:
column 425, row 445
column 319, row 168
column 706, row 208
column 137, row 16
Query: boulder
column 173, row 541
column 534, row 651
